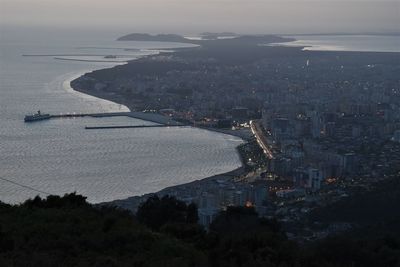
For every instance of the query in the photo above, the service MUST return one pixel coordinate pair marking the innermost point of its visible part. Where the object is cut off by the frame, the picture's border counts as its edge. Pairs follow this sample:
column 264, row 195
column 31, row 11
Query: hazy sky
column 192, row 16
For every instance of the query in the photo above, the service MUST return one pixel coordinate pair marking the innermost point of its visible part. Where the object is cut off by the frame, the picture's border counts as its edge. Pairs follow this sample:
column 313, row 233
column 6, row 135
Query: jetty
column 147, row 116
column 129, row 126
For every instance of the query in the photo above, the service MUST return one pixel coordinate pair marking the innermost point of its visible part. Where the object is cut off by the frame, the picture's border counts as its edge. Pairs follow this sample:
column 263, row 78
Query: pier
column 129, row 126
column 152, row 117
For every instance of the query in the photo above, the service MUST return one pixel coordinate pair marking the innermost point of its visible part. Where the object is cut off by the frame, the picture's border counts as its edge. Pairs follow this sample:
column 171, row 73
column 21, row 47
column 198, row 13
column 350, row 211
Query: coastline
column 66, row 85
column 325, row 43
column 80, row 85
column 245, row 134
column 132, row 202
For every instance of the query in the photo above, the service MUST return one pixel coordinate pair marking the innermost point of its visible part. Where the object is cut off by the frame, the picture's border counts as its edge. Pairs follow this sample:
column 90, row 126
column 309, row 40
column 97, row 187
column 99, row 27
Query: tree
column 156, row 212
column 71, row 200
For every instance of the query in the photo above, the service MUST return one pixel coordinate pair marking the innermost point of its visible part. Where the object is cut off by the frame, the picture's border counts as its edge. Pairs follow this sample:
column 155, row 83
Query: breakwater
column 152, row 117
column 128, row 126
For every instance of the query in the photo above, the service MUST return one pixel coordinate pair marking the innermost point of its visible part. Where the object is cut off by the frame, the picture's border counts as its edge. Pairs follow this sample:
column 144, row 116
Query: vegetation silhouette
column 68, row 231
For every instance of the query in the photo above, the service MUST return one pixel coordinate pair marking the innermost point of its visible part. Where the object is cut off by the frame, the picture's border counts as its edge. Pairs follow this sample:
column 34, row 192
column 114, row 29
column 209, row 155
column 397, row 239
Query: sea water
column 59, row 156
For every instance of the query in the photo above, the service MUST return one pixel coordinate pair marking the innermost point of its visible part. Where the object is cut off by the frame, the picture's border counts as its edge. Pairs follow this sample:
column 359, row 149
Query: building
column 308, row 178
column 396, row 136
column 314, row 179
column 281, row 129
column 291, row 193
column 349, row 163
column 208, row 208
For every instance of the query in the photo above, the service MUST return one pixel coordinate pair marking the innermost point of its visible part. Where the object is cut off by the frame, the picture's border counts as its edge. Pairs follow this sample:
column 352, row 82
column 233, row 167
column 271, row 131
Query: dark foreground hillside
column 377, row 208
column 67, row 231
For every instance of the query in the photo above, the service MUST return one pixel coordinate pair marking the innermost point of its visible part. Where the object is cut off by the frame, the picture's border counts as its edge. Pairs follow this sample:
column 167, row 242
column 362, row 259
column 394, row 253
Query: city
column 193, row 133
column 325, row 125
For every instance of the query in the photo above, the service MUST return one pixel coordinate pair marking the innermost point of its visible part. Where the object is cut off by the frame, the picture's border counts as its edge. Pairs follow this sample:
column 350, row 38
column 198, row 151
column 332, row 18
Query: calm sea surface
column 59, row 155
column 366, row 43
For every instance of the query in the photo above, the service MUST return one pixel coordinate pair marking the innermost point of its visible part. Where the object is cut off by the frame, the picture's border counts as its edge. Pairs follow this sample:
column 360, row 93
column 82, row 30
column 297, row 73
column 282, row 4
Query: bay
column 59, row 156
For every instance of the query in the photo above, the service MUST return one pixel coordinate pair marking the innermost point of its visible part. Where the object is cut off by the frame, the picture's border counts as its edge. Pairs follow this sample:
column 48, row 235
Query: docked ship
column 37, row 117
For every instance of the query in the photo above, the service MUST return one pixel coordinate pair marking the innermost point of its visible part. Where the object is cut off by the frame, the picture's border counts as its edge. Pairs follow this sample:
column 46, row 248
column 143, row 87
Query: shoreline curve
column 239, row 169
column 66, row 85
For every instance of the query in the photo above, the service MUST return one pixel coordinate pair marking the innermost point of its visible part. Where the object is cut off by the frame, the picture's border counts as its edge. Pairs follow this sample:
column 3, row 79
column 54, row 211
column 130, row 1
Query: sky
column 194, row 16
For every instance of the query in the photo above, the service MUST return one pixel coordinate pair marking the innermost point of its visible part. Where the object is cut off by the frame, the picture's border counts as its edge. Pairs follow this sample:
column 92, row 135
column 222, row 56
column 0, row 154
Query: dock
column 147, row 116
column 129, row 126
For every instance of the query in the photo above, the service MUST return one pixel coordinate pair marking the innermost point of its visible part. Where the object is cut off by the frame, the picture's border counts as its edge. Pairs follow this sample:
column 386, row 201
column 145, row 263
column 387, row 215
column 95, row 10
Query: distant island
column 154, row 38
column 207, row 38
column 217, row 35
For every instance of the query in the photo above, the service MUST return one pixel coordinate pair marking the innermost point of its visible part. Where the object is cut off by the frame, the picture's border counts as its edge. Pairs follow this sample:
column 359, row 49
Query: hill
column 67, row 231
column 154, row 38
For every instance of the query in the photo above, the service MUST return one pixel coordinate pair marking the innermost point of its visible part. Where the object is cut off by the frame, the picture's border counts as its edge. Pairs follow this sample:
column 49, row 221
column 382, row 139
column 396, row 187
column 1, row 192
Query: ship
column 37, row 117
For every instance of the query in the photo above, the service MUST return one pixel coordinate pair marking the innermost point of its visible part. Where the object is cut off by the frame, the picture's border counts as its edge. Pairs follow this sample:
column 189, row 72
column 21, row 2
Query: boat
column 37, row 117
column 110, row 56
